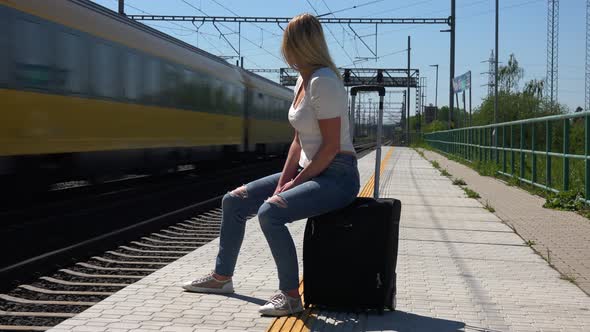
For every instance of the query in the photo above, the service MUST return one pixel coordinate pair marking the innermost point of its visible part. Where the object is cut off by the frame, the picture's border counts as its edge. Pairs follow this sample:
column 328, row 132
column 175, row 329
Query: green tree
column 435, row 125
column 510, row 75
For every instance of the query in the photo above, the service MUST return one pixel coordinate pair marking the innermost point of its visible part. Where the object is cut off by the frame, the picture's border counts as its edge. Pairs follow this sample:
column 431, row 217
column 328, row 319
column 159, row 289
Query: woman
column 320, row 173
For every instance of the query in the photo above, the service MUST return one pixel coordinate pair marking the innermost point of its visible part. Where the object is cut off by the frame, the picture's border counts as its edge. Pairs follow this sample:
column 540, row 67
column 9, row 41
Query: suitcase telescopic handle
column 381, row 90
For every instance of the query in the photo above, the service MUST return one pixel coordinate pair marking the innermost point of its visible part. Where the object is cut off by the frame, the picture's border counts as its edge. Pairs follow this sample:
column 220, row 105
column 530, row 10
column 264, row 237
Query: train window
column 202, row 92
column 240, row 95
column 186, row 95
column 132, row 76
column 4, row 45
column 32, row 63
column 171, row 84
column 104, row 70
column 152, row 80
column 216, row 99
column 68, row 74
column 275, row 109
column 188, row 77
column 236, row 99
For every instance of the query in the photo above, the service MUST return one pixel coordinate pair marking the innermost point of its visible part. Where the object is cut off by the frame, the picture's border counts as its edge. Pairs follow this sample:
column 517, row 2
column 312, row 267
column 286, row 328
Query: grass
column 569, row 278
column 470, row 193
column 459, row 182
column 445, row 173
column 563, row 201
column 530, row 243
column 489, row 207
column 512, row 181
column 435, row 164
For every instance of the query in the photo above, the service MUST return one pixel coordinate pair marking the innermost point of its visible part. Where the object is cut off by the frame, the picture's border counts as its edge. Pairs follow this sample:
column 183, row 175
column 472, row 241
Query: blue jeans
column 334, row 188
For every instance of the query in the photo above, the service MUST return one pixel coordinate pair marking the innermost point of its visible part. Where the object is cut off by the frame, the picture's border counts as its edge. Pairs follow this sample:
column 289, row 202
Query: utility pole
column 587, row 99
column 121, row 7
column 452, row 60
column 408, row 96
column 436, row 89
column 496, row 78
column 436, row 93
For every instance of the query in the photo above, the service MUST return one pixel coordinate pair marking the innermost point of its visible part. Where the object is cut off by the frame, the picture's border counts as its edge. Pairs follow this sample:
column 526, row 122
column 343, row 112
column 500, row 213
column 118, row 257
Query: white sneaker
column 281, row 304
column 208, row 284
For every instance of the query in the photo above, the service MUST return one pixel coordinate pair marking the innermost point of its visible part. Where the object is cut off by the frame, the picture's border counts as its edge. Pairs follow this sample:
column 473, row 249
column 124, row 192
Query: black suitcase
column 350, row 255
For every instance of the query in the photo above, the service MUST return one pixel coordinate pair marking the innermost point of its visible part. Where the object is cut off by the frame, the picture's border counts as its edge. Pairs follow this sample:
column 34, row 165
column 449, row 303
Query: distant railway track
column 117, row 258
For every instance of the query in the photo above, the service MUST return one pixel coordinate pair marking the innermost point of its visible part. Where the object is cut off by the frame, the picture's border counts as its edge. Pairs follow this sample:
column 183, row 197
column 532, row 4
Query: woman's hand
column 279, row 189
column 287, row 186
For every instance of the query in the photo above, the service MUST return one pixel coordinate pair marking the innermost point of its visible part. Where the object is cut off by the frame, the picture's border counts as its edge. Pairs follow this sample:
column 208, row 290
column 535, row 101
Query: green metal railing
column 477, row 144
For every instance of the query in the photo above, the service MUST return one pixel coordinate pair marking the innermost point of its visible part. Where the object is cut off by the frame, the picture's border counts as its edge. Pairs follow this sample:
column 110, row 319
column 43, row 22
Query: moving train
column 85, row 91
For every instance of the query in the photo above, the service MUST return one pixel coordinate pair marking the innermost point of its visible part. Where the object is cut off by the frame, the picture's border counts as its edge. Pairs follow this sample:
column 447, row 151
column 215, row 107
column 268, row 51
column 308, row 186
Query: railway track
column 47, row 301
column 42, row 303
column 92, row 224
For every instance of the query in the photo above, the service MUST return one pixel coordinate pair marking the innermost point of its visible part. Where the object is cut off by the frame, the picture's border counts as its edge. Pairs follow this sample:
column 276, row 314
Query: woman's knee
column 266, row 215
column 234, row 197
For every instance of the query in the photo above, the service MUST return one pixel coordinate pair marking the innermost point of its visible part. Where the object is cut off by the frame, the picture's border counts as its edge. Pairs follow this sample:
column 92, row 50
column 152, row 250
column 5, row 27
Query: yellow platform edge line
column 368, row 188
column 303, row 321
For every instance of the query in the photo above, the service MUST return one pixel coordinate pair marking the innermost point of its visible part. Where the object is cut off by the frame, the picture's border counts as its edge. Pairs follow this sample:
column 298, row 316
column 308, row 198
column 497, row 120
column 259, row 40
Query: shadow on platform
column 398, row 321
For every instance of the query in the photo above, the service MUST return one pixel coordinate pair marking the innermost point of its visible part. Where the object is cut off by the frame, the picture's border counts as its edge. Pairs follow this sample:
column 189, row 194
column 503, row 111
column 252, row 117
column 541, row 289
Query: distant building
column 430, row 113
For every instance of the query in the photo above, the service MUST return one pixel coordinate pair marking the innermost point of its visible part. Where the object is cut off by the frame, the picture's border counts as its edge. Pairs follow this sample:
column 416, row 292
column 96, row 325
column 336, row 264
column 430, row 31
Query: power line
column 341, row 46
column 386, row 55
column 522, row 4
column 181, row 27
column 356, row 49
column 233, row 31
column 349, row 8
column 398, row 8
column 236, row 14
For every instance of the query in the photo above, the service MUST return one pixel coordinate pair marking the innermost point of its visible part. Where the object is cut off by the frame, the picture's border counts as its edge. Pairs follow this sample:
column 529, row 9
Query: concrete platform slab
column 459, row 269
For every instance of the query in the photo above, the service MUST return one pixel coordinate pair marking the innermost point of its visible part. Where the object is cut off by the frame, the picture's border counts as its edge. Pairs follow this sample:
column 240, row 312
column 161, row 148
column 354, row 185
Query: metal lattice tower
column 552, row 50
column 491, row 74
column 587, row 104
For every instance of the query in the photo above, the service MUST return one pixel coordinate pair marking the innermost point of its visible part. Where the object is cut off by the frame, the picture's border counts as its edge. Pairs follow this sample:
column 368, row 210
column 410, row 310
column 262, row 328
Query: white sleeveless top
column 325, row 98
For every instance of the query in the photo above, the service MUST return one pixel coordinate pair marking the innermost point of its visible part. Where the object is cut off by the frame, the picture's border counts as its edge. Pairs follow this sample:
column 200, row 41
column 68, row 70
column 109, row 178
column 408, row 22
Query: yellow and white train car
column 85, row 91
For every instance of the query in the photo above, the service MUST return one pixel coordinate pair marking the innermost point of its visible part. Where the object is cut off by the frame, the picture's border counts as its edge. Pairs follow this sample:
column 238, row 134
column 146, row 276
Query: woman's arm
column 330, row 129
column 329, row 100
column 290, row 168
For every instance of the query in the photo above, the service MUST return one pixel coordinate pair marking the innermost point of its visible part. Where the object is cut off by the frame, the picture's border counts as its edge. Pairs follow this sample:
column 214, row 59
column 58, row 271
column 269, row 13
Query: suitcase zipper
column 379, row 283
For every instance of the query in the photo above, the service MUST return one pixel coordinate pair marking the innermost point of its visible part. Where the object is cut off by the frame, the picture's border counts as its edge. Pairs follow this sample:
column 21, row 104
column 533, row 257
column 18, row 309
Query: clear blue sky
column 523, row 30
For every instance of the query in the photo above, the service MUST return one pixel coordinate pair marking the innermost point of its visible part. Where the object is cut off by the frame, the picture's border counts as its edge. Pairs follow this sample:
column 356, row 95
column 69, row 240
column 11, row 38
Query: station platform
column 460, row 268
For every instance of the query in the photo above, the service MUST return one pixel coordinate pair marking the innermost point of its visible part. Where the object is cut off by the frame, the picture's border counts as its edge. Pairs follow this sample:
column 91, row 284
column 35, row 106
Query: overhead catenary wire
column 236, row 14
column 386, row 55
column 233, row 31
column 517, row 5
column 356, row 48
column 181, row 27
column 349, row 8
column 333, row 36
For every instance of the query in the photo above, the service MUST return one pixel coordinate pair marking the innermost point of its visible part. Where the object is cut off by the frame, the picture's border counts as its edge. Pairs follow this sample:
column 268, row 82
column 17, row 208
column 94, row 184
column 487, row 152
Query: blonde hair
column 304, row 41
